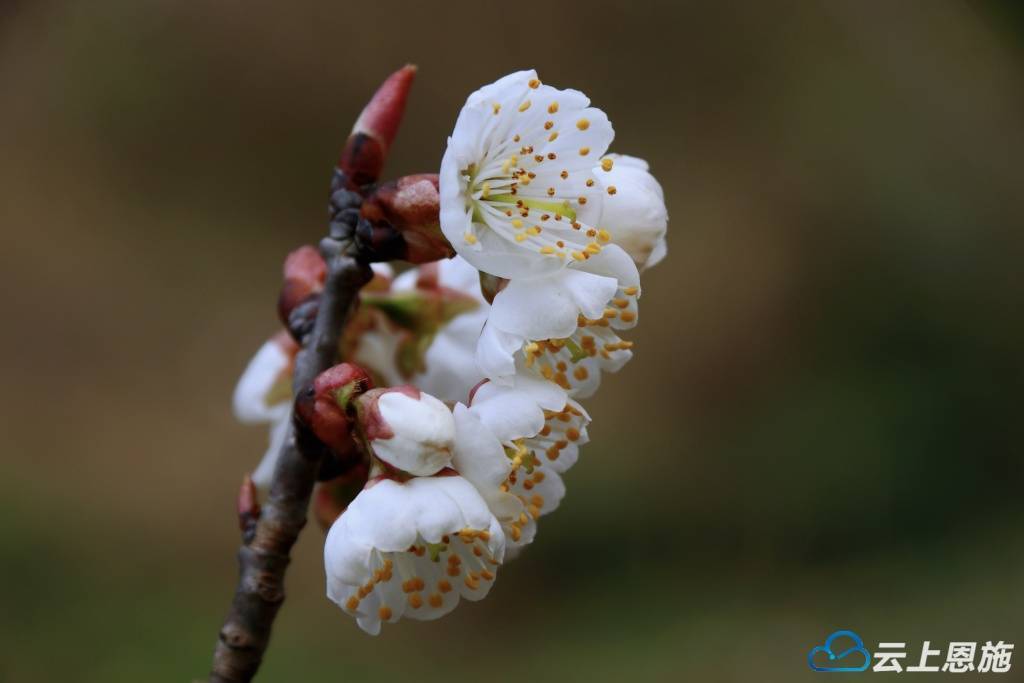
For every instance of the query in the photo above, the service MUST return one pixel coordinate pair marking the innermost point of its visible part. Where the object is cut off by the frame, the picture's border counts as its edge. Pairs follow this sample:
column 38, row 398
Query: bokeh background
column 821, row 428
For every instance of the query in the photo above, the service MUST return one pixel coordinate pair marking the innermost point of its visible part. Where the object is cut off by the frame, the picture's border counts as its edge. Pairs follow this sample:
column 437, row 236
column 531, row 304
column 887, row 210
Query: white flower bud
column 633, row 211
column 408, row 429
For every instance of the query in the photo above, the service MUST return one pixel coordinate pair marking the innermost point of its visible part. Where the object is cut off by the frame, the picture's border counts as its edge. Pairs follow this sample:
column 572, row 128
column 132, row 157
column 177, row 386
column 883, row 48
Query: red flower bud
column 409, row 209
column 363, row 157
column 325, row 406
column 304, row 275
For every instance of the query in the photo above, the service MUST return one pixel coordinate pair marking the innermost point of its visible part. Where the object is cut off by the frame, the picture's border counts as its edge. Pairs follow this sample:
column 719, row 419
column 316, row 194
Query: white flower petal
column 635, row 215
column 549, row 307
column 422, row 432
column 480, row 458
column 265, row 370
column 507, row 412
column 278, row 433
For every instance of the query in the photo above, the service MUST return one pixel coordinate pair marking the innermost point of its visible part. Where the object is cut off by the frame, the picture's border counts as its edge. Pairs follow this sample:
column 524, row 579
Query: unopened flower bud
column 403, row 219
column 407, row 429
column 633, row 211
column 363, row 157
column 304, row 275
column 325, row 406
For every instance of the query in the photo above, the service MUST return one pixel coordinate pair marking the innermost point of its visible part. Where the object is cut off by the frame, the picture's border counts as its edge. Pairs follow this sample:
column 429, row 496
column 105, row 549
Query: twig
column 263, row 560
column 269, row 533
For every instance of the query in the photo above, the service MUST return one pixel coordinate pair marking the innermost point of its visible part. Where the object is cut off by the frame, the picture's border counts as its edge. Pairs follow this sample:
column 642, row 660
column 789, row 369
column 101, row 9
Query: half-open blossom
column 408, row 429
column 263, row 395
column 566, row 326
column 518, row 193
column 412, row 549
column 633, row 211
column 514, row 452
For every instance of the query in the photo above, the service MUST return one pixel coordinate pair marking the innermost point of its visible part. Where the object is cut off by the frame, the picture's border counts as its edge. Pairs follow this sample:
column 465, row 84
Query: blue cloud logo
column 836, row 659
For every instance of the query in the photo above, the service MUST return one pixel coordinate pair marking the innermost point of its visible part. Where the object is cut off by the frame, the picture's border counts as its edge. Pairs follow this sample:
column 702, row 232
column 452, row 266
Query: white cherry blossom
column 517, row 188
column 562, row 330
column 412, row 549
column 514, row 452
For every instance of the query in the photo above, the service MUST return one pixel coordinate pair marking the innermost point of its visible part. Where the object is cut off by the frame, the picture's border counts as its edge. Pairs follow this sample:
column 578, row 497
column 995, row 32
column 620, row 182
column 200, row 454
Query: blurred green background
column 821, row 428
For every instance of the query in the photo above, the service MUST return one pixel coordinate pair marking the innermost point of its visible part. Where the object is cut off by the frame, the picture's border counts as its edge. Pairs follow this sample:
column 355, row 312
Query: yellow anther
column 533, row 230
column 630, row 291
column 352, row 603
column 620, row 303
column 516, row 223
column 485, row 190
column 470, row 238
column 564, row 174
column 590, row 182
column 605, row 236
column 534, row 83
column 578, row 255
column 572, row 434
column 548, row 125
column 584, row 151
column 384, row 613
column 520, row 237
column 496, row 107
column 606, row 164
column 593, row 248
column 486, row 575
column 610, row 313
column 471, row 583
column 523, row 519
column 435, row 600
column 516, row 533
column 628, row 316
column 444, row 586
column 533, row 510
column 553, row 107
column 611, row 189
column 551, row 192
column 415, row 601
column 524, row 106
column 547, row 250
column 454, row 570
column 582, row 200
column 583, row 124
column 552, row 156
column 580, row 373
column 553, row 136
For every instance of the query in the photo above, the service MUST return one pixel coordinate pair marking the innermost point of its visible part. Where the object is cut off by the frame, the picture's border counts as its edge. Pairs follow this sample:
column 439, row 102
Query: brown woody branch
column 263, row 559
column 398, row 220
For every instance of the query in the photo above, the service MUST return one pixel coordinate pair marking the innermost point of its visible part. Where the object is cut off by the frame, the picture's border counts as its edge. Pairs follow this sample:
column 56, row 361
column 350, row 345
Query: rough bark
column 265, row 553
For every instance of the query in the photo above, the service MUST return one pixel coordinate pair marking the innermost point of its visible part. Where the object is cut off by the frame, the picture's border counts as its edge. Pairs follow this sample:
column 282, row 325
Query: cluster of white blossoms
column 478, row 417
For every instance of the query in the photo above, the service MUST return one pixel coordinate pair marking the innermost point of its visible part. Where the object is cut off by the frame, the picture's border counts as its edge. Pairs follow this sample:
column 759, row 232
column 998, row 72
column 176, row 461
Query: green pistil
column 562, row 208
column 435, row 550
column 576, row 352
